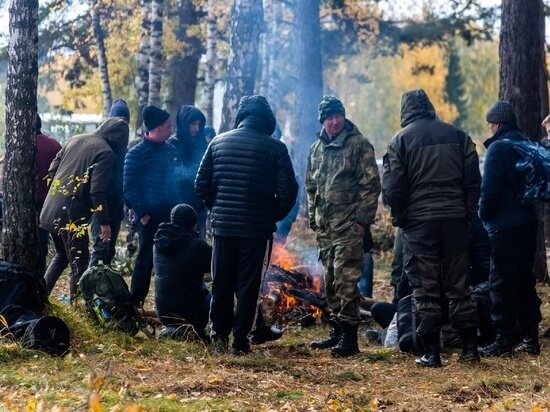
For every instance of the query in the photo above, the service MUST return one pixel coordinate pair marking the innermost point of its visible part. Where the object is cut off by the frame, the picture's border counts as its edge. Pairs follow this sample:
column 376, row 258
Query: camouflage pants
column 342, row 258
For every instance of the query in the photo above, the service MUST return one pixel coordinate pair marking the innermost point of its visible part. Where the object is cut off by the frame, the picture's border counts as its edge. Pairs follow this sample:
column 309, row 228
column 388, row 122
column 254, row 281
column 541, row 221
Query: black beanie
column 183, row 215
column 154, row 117
column 329, row 106
column 501, row 112
column 120, row 109
column 38, row 124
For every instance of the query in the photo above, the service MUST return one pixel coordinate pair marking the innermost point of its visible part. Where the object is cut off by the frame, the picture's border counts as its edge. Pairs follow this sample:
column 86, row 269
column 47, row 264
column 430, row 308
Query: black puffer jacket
column 190, row 151
column 246, row 177
column 180, row 261
column 431, row 169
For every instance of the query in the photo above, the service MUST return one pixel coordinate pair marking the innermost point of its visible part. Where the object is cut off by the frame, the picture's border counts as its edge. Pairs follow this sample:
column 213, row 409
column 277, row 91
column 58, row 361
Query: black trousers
column 141, row 276
column 435, row 257
column 104, row 251
column 515, row 305
column 238, row 267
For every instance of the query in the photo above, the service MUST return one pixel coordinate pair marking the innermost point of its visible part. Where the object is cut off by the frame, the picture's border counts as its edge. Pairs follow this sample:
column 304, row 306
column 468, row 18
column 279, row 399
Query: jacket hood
column 255, row 112
column 186, row 115
column 415, row 104
column 116, row 132
column 169, row 238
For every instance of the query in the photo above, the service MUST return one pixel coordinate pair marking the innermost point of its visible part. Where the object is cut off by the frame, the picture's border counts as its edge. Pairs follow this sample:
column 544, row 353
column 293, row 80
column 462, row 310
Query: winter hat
column 38, row 124
column 153, row 117
column 209, row 132
column 501, row 112
column 120, row 109
column 256, row 106
column 183, row 215
column 329, row 106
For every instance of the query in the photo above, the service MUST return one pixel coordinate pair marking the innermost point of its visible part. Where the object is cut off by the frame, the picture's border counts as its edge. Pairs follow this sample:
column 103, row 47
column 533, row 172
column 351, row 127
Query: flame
column 282, row 257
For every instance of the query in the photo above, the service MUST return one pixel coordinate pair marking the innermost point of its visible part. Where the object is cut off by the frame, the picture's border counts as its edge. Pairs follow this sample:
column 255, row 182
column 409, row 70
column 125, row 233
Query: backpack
column 407, row 322
column 107, row 296
column 534, row 168
column 19, row 287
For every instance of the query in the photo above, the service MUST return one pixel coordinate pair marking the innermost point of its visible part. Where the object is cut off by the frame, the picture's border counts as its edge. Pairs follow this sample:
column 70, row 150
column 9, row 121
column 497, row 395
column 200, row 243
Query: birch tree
column 142, row 79
column 99, row 36
column 155, row 53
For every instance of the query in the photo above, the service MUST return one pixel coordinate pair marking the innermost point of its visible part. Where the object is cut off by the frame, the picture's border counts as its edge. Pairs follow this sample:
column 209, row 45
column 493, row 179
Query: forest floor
column 110, row 371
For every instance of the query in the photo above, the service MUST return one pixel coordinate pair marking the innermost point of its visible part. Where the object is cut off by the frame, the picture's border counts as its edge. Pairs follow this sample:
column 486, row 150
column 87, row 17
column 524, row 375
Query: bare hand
column 145, row 219
column 105, row 234
column 361, row 229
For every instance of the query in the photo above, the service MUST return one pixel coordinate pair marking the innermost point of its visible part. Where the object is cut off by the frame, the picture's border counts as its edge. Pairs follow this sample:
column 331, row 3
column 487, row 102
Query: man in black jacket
column 431, row 183
column 512, row 227
column 247, row 180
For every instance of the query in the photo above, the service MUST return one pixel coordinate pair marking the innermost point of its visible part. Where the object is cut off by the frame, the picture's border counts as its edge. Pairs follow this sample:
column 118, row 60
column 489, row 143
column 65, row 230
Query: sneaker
column 529, row 346
column 373, row 336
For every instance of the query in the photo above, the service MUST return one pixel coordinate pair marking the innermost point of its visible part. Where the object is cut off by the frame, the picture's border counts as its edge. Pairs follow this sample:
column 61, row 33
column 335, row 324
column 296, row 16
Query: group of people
column 245, row 182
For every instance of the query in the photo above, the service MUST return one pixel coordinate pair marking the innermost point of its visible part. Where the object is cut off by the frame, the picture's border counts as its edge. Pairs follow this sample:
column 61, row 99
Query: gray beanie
column 501, row 112
column 183, row 215
column 329, row 106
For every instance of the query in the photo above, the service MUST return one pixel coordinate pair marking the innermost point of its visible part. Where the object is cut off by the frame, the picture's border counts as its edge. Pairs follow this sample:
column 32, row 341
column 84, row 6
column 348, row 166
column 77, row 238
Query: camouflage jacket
column 342, row 181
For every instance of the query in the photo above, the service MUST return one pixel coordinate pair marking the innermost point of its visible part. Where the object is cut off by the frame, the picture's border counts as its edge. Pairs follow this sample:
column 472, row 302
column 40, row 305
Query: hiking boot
column 265, row 334
column 220, row 345
column 431, row 357
column 502, row 346
column 332, row 340
column 240, row 347
column 469, row 353
column 347, row 345
column 530, row 343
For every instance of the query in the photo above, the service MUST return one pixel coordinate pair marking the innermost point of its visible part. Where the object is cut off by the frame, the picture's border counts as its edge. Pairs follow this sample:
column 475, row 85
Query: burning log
column 271, row 300
column 310, row 298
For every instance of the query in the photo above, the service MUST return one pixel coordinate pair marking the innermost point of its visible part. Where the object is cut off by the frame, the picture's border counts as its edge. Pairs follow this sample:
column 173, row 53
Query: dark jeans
column 397, row 262
column 201, row 223
column 104, row 251
column 68, row 249
column 436, row 264
column 383, row 312
column 238, row 266
column 367, row 276
column 141, row 276
column 515, row 305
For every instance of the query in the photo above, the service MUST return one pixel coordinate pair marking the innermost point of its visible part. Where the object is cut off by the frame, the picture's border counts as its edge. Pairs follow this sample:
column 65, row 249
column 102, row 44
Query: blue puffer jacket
column 500, row 206
column 150, row 180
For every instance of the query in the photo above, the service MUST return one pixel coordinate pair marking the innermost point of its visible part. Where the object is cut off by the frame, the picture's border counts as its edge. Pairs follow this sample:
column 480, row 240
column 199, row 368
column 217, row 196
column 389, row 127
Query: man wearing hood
column 191, row 145
column 80, row 176
column 343, row 186
column 431, row 184
column 247, row 180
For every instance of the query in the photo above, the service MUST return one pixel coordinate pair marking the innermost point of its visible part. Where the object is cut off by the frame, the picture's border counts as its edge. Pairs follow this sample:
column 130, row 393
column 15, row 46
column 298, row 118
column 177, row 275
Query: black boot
column 333, row 339
column 530, row 343
column 220, row 345
column 502, row 346
column 431, row 357
column 347, row 345
column 240, row 347
column 469, row 346
column 265, row 334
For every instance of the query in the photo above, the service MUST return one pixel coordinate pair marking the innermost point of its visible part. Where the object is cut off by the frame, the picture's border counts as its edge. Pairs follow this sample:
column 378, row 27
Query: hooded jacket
column 500, row 205
column 246, row 176
column 190, row 150
column 81, row 172
column 180, row 261
column 431, row 168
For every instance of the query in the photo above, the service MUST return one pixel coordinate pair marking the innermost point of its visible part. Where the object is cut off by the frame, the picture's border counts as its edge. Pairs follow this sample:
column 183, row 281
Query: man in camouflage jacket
column 342, row 185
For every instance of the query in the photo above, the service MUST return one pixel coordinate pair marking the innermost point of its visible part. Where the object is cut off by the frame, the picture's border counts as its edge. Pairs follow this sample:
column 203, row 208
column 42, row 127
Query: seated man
column 182, row 300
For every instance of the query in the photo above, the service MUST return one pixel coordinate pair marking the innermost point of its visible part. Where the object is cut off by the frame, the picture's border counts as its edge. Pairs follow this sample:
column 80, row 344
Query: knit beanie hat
column 120, row 109
column 183, row 215
column 38, row 124
column 329, row 106
column 209, row 131
column 501, row 112
column 154, row 117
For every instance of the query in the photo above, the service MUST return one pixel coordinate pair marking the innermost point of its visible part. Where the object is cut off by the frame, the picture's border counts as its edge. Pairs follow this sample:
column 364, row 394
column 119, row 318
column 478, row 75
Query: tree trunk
column 521, row 53
column 142, row 79
column 102, row 64
column 246, row 23
column 184, row 66
column 210, row 70
column 155, row 53
column 266, row 41
column 20, row 237
column 309, row 87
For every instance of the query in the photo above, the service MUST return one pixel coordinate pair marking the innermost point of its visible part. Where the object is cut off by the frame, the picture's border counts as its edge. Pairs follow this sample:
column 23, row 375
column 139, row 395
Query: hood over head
column 186, row 115
column 254, row 111
column 116, row 132
column 415, row 104
column 169, row 238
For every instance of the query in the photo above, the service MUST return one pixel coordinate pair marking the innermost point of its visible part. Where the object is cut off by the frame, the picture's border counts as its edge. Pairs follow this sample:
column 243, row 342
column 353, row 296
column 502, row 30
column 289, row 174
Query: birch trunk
column 142, row 79
column 155, row 53
column 210, row 71
column 99, row 36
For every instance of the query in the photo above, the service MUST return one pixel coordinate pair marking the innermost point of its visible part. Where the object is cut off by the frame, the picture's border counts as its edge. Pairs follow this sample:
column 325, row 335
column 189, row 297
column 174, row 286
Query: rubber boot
column 469, row 353
column 530, row 343
column 431, row 357
column 347, row 345
column 502, row 346
column 332, row 340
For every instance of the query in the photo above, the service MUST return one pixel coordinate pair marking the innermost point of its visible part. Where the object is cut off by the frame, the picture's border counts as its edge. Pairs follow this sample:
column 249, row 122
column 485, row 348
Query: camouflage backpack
column 108, row 298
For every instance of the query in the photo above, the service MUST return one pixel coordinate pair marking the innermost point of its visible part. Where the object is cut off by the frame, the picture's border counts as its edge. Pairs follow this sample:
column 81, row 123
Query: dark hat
column 329, row 106
column 501, row 112
column 209, row 131
column 153, row 117
column 257, row 107
column 120, row 109
column 183, row 215
column 38, row 124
